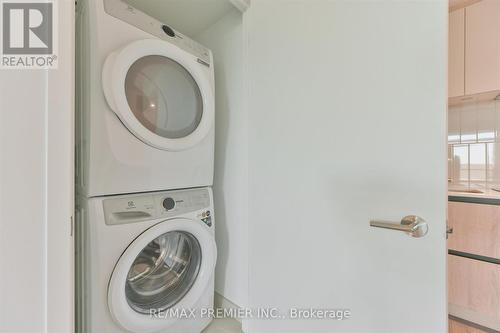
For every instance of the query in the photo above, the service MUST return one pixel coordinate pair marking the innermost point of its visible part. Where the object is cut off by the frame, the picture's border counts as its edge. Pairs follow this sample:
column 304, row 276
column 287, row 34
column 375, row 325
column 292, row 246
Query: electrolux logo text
column 29, row 34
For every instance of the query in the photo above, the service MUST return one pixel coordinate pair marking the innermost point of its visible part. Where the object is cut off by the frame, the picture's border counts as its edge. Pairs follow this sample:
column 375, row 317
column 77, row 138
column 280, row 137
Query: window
column 472, row 163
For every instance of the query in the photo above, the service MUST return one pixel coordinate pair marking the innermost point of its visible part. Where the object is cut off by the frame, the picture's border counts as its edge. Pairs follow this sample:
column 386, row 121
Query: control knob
column 169, row 203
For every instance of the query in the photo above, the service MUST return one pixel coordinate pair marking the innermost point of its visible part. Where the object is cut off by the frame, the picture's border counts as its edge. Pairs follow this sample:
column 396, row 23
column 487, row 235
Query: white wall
column 225, row 38
column 36, row 193
column 22, row 201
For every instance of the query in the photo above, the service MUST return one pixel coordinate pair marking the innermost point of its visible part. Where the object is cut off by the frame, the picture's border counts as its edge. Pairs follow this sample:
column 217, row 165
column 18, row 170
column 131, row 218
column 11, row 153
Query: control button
column 207, row 221
column 168, row 30
column 169, row 203
column 208, row 213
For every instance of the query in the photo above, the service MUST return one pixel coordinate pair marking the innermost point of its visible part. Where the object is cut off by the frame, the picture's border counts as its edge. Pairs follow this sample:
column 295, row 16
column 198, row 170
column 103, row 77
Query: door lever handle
column 413, row 225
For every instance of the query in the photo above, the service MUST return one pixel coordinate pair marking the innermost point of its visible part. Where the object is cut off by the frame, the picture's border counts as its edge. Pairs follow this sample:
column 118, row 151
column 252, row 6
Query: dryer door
column 168, row 266
column 161, row 93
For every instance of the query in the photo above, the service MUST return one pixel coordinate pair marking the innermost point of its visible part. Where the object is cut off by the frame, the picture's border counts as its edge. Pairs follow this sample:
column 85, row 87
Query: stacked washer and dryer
column 146, row 250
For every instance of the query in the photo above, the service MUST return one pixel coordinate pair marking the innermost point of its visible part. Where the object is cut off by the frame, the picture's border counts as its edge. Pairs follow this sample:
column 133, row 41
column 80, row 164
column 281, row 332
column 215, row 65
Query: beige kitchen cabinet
column 456, row 51
column 476, row 228
column 456, row 326
column 474, row 291
column 482, row 47
column 473, row 273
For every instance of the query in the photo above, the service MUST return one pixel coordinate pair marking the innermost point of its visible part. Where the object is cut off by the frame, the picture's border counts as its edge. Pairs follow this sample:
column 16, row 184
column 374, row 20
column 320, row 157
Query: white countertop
column 487, row 192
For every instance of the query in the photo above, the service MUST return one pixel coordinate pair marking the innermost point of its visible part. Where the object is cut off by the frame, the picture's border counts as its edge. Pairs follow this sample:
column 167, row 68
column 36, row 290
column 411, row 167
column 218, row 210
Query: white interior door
column 347, row 100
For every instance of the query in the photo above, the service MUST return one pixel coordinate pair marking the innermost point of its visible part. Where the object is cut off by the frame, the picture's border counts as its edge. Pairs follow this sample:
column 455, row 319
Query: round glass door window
column 163, row 272
column 164, row 97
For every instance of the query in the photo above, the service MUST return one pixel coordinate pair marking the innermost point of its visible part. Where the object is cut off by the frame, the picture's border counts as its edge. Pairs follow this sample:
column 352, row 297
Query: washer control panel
column 142, row 207
column 125, row 12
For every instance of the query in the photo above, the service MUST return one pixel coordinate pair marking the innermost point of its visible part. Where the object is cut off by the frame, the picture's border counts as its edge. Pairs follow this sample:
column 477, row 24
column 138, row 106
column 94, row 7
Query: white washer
column 145, row 103
column 143, row 259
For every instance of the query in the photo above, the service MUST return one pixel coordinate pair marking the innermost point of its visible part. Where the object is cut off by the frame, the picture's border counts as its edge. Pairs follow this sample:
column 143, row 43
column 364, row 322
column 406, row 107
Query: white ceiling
column 189, row 17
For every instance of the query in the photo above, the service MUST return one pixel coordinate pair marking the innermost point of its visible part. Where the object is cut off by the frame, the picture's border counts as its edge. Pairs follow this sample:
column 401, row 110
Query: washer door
column 160, row 93
column 168, row 266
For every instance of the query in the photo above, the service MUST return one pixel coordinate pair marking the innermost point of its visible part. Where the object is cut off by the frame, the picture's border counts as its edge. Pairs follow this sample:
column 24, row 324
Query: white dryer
column 145, row 262
column 145, row 103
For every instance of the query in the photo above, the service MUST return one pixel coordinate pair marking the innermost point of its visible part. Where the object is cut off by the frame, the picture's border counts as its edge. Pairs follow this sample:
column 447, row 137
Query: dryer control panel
column 150, row 206
column 125, row 12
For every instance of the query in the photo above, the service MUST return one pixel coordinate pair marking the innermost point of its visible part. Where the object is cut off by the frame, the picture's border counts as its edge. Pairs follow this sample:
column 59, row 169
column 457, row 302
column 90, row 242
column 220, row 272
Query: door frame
column 59, row 177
